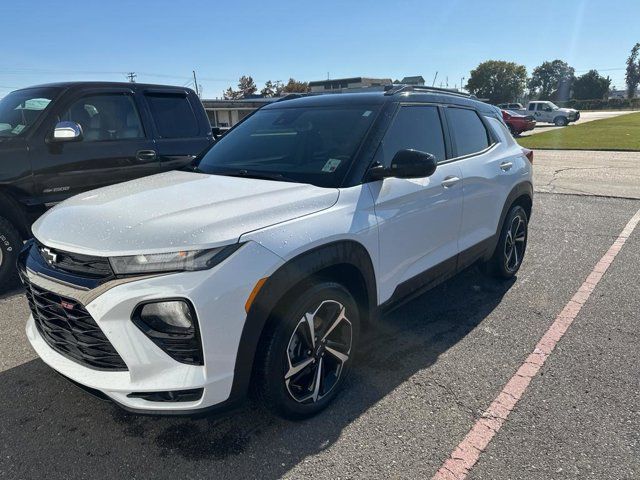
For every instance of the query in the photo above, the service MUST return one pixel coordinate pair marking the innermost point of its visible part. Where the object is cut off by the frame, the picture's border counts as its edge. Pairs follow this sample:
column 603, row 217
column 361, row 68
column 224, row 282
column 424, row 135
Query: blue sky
column 163, row 41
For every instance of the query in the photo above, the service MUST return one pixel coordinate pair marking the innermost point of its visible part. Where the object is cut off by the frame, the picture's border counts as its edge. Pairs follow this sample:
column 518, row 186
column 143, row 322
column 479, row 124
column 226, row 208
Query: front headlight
column 187, row 260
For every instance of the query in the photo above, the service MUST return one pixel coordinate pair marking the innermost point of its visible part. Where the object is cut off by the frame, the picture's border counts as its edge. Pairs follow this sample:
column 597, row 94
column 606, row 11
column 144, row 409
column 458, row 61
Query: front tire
column 512, row 244
column 561, row 121
column 10, row 244
column 306, row 351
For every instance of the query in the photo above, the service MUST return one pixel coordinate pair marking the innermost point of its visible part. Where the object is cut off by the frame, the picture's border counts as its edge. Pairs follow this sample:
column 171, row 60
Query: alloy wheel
column 317, row 352
column 515, row 243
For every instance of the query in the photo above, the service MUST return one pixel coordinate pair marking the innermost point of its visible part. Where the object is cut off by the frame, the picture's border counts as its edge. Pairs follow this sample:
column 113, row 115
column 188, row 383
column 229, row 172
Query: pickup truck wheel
column 560, row 121
column 10, row 244
column 512, row 244
column 307, row 350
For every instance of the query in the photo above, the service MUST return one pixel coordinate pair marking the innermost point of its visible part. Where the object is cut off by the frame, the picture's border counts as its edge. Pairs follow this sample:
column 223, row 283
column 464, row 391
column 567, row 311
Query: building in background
column 341, row 84
column 417, row 80
column 226, row 113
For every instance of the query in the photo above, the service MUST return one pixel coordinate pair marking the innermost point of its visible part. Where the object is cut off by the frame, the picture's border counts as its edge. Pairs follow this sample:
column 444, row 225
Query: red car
column 518, row 123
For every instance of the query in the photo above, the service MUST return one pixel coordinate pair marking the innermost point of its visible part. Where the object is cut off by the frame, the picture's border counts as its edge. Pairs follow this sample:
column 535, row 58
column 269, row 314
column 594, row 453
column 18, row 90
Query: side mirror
column 67, row 132
column 406, row 164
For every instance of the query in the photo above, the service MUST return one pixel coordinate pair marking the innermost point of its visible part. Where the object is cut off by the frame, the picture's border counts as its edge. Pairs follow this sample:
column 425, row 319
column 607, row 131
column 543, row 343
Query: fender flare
column 282, row 281
column 522, row 189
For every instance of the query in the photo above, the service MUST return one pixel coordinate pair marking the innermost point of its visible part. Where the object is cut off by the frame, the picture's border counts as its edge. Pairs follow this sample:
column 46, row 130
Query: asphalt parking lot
column 423, row 380
column 584, row 118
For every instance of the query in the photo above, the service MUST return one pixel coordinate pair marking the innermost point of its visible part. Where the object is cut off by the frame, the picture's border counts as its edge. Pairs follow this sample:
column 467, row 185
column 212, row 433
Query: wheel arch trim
column 522, row 189
column 282, row 281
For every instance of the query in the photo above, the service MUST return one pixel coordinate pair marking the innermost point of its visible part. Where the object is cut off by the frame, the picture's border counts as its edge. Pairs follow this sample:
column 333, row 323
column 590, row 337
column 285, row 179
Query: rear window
column 469, row 133
column 173, row 115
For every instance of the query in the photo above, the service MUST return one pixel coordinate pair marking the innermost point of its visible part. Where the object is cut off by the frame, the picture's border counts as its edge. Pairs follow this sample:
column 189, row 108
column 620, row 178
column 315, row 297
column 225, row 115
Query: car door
column 114, row 146
column 181, row 130
column 488, row 165
column 419, row 218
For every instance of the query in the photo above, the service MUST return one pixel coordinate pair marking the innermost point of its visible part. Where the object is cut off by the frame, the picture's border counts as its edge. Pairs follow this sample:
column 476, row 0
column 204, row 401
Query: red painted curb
column 467, row 453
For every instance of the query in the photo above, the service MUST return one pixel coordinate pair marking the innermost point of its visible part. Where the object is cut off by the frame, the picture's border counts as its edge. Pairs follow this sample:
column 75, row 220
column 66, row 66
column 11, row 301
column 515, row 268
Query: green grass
column 617, row 133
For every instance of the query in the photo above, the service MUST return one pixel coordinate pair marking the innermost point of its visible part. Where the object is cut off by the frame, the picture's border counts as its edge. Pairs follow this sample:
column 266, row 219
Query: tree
column 293, row 86
column 272, row 89
column 632, row 77
column 231, row 94
column 552, row 81
column 498, row 81
column 247, row 86
column 591, row 86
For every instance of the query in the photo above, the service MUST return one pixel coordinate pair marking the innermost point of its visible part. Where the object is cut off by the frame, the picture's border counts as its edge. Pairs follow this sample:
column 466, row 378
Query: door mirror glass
column 67, row 132
column 407, row 163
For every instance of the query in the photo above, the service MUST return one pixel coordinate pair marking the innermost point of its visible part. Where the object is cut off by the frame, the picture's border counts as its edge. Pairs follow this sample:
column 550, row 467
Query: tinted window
column 532, row 106
column 303, row 144
column 173, row 115
column 469, row 133
column 21, row 109
column 106, row 117
column 416, row 127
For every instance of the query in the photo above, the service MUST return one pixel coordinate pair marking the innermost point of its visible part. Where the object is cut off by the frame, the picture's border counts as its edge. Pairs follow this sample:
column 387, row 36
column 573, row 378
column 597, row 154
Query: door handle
column 146, row 155
column 506, row 166
column 450, row 181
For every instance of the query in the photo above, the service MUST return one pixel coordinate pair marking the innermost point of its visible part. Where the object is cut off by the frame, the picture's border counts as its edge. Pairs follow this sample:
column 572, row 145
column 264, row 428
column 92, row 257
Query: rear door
column 181, row 126
column 488, row 169
column 115, row 146
column 418, row 218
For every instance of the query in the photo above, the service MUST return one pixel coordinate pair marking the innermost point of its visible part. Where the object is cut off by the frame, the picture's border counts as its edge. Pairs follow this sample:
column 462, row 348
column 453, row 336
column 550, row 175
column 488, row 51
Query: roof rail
column 393, row 89
column 291, row 96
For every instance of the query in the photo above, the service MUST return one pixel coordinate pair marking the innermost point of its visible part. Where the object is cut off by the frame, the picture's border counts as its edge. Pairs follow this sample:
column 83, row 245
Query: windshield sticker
column 367, row 113
column 331, row 165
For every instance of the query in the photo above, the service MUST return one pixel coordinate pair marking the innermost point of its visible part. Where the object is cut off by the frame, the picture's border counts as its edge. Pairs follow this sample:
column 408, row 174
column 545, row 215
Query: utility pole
column 195, row 82
column 461, row 83
column 433, row 84
column 132, row 77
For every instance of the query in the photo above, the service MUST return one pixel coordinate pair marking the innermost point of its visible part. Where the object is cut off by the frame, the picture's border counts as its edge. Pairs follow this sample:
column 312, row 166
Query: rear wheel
column 512, row 244
column 10, row 244
column 306, row 352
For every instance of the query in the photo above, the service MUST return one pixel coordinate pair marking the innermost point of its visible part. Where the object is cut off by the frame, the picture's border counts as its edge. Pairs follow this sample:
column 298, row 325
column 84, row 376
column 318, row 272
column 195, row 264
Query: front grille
column 69, row 329
column 96, row 268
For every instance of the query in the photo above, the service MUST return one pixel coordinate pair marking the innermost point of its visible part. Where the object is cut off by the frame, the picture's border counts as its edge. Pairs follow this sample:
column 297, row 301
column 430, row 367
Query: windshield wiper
column 253, row 174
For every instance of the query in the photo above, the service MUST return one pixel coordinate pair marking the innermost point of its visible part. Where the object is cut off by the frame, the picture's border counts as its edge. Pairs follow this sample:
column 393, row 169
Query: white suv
column 262, row 264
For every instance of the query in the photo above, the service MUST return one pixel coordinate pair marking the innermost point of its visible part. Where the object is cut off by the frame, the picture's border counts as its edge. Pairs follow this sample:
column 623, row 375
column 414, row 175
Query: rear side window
column 532, row 106
column 173, row 115
column 469, row 133
column 417, row 127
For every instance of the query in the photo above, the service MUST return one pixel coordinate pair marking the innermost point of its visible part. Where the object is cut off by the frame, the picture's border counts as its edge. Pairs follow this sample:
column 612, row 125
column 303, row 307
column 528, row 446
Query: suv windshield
column 313, row 145
column 22, row 108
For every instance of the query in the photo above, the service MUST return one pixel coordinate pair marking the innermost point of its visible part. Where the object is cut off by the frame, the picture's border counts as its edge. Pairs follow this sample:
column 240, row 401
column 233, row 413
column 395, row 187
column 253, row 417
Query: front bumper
column 218, row 296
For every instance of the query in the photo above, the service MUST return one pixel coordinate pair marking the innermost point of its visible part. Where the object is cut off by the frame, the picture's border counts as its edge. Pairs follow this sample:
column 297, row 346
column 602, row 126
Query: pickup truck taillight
column 529, row 154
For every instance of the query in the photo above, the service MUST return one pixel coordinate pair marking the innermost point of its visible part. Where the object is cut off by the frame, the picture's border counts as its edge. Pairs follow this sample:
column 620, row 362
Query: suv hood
column 173, row 211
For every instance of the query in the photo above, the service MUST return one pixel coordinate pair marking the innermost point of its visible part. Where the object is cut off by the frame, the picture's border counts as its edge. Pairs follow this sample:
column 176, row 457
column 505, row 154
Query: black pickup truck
column 61, row 139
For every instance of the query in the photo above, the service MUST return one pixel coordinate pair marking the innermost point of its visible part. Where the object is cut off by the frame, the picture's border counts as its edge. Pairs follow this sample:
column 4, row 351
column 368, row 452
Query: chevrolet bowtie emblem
column 49, row 256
